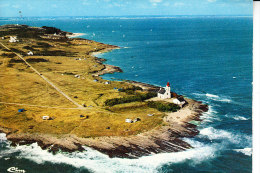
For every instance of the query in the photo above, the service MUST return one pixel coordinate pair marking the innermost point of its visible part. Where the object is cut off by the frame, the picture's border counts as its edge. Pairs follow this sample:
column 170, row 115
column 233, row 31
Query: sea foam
column 2, row 137
column 240, row 118
column 210, row 116
column 245, row 151
column 214, row 97
column 98, row 162
column 211, row 133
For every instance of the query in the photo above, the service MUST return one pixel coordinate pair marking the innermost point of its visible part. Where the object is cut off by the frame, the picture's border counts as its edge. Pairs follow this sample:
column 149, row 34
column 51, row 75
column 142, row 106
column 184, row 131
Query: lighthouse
column 165, row 93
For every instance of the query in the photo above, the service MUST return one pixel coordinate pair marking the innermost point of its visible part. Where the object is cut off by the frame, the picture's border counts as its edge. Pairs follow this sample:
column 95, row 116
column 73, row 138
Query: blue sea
column 207, row 58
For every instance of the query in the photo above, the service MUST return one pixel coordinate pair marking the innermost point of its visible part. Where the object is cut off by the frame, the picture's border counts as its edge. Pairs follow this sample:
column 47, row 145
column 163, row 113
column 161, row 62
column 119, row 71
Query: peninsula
column 52, row 93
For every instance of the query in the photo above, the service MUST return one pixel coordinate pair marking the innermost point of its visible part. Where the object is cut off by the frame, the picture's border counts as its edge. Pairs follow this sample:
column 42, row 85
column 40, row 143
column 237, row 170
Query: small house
column 13, row 39
column 45, row 117
column 179, row 101
column 107, row 82
column 128, row 120
column 30, row 53
column 95, row 80
column 176, row 101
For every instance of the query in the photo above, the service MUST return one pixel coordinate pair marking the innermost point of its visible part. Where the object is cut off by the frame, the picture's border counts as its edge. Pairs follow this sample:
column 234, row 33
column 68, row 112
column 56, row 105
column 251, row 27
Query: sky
column 41, row 8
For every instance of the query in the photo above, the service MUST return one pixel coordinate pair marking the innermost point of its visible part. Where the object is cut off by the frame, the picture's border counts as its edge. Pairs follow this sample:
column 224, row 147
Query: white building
column 45, row 117
column 165, row 93
column 179, row 101
column 176, row 101
column 13, row 39
column 128, row 120
column 30, row 53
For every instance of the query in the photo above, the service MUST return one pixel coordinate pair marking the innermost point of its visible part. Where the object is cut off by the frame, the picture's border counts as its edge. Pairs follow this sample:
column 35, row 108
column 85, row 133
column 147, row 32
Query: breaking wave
column 245, row 151
column 98, row 162
column 240, row 118
column 210, row 115
column 214, row 97
column 2, row 137
column 218, row 134
column 237, row 117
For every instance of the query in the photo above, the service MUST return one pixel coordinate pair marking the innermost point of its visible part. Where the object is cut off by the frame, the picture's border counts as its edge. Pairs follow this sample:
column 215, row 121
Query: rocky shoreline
column 162, row 139
column 167, row 138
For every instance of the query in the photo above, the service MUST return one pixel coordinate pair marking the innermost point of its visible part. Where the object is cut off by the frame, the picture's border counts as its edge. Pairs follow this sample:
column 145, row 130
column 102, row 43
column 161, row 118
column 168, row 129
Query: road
column 44, row 78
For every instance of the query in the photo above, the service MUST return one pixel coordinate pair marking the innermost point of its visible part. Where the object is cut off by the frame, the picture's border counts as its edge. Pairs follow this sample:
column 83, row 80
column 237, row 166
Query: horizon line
column 210, row 15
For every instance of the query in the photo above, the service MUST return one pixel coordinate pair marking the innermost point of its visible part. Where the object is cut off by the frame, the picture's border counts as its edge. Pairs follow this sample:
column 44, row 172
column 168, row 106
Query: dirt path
column 44, row 78
column 22, row 104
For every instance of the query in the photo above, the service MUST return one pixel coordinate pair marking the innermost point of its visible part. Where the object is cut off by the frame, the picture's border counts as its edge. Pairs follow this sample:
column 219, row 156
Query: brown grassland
column 56, row 60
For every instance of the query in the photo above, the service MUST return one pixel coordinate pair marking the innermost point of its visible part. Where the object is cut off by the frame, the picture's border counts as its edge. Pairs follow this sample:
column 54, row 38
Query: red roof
column 168, row 84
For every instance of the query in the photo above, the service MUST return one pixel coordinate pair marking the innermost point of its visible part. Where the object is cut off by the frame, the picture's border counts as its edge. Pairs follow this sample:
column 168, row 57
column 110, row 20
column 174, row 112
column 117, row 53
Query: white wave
column 210, row 115
column 98, row 162
column 240, row 118
column 2, row 137
column 214, row 97
column 5, row 153
column 245, row 151
column 237, row 117
column 218, row 98
column 218, row 134
column 212, row 133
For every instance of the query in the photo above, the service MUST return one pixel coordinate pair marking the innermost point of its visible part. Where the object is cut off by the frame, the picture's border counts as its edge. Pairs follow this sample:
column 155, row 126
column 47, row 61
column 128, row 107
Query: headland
column 52, row 93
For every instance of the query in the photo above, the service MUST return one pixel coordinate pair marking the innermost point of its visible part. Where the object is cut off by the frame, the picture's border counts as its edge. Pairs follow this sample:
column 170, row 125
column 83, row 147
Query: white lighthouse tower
column 165, row 93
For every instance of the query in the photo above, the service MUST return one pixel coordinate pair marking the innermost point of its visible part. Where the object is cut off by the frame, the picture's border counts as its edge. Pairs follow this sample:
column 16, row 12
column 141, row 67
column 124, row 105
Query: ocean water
column 203, row 57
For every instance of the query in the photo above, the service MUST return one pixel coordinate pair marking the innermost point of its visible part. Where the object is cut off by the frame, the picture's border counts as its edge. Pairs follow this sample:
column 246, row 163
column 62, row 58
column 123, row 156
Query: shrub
column 9, row 55
column 131, row 90
column 163, row 107
column 28, row 48
column 54, row 53
column 43, row 45
column 18, row 51
column 129, row 99
column 32, row 60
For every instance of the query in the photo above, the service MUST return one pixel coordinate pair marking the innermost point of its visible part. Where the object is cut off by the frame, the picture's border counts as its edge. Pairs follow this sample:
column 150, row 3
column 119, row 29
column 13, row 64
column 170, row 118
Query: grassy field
column 59, row 61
